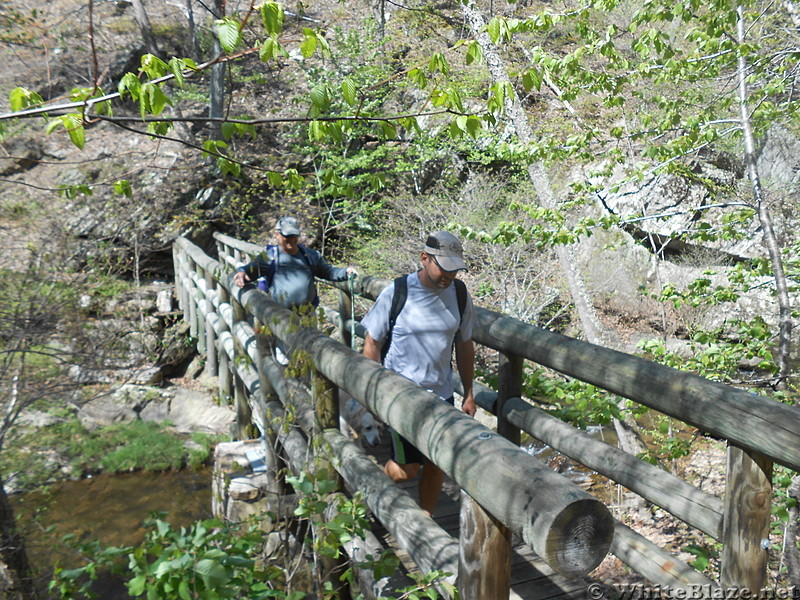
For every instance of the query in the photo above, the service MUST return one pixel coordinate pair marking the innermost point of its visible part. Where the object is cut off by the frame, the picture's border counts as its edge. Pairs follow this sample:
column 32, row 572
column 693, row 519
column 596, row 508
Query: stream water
column 106, row 508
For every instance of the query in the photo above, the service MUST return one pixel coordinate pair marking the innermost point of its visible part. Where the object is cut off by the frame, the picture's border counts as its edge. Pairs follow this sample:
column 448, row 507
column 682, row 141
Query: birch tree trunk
column 145, row 27
column 627, row 431
column 217, row 86
column 764, row 215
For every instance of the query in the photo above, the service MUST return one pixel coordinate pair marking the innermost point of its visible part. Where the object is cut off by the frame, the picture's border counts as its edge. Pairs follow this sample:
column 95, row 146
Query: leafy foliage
column 216, row 560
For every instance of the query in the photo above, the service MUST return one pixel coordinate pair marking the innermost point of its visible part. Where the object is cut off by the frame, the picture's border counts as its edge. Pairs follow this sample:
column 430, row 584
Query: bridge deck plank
column 531, row 577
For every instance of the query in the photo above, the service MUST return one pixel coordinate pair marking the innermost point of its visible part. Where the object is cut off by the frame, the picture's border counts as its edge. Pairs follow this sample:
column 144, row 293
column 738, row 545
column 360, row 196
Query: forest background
column 621, row 172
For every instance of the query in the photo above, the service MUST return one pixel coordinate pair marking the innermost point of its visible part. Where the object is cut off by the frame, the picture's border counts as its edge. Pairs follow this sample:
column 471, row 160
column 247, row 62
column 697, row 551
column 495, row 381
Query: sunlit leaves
column 231, row 129
column 216, row 148
column 271, row 49
column 272, row 16
column 123, row 188
column 73, row 124
column 531, row 79
column 21, row 98
column 325, row 131
column 152, row 99
column 313, row 41
column 86, row 94
column 471, row 125
column 474, row 53
column 70, row 192
column 153, row 67
column 178, row 65
column 418, row 77
column 349, row 91
column 439, row 63
column 229, row 33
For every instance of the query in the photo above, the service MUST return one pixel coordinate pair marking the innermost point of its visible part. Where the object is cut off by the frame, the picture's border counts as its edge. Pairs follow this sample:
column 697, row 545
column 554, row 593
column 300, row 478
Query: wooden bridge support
column 757, row 427
column 484, row 553
column 748, row 497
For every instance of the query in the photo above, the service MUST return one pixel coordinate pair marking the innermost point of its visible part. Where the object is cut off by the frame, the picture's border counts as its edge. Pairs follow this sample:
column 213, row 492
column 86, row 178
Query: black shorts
column 406, row 453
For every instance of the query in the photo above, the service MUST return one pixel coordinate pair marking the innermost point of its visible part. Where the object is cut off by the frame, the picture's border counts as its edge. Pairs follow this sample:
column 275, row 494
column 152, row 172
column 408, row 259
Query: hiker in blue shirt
column 417, row 340
column 289, row 268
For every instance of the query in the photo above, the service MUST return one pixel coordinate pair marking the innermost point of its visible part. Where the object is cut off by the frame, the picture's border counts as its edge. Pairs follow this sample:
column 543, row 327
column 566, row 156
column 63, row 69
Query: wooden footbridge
column 515, row 528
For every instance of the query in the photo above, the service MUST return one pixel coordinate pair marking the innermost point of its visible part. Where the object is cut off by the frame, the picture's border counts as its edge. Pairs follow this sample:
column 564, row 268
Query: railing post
column 224, row 367
column 326, row 407
column 191, row 296
column 178, row 271
column 484, row 548
column 268, row 394
column 345, row 312
column 748, row 495
column 211, row 324
column 243, row 412
column 509, row 386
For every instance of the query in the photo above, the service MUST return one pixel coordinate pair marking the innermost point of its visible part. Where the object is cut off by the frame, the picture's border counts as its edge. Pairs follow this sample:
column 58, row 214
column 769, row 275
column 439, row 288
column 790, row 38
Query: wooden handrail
column 758, row 429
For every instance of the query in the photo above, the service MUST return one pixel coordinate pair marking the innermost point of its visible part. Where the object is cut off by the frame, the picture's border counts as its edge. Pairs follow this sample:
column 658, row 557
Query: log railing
column 505, row 489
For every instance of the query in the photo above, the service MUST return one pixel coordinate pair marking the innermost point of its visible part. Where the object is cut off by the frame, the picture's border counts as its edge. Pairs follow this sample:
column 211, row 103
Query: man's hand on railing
column 240, row 278
column 351, row 272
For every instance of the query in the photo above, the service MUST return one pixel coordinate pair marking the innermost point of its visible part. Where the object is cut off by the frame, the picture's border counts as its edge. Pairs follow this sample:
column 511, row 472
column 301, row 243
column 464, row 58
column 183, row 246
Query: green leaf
column 273, row 18
column 320, row 98
column 493, row 29
column 309, row 45
column 214, row 575
column 183, row 590
column 349, row 91
column 271, row 49
column 73, row 124
column 21, row 98
column 123, row 188
column 531, row 79
column 131, row 84
column 153, row 66
column 228, row 33
column 136, row 585
column 176, row 67
column 474, row 53
column 228, row 129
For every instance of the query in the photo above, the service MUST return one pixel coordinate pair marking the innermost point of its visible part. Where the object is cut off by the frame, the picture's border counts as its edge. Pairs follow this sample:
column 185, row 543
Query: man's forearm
column 465, row 362
column 372, row 348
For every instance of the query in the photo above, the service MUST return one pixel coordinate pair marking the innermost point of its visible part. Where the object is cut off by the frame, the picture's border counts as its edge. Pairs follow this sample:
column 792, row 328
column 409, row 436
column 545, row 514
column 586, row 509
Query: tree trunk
column 192, row 29
column 593, row 330
column 15, row 578
column 217, row 87
column 764, row 215
column 790, row 554
column 144, row 26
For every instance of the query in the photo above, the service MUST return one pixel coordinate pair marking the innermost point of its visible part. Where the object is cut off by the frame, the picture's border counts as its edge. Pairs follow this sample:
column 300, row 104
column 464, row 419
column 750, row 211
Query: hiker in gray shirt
column 287, row 270
column 435, row 317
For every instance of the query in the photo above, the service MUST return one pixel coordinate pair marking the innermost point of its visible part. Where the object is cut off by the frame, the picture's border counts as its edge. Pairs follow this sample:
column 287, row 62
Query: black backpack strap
column 461, row 297
column 398, row 301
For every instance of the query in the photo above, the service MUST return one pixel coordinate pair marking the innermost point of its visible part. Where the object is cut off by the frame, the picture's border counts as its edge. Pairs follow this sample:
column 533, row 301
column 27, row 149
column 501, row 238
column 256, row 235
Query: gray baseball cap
column 447, row 249
column 288, row 226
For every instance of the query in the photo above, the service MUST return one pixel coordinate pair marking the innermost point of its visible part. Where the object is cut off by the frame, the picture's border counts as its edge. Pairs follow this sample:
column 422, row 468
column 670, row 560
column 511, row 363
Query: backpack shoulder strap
column 306, row 258
column 398, row 301
column 461, row 297
column 271, row 253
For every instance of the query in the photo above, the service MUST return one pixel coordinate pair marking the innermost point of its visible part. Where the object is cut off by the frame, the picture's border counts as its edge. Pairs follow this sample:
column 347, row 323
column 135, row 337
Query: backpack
column 271, row 251
column 399, row 300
